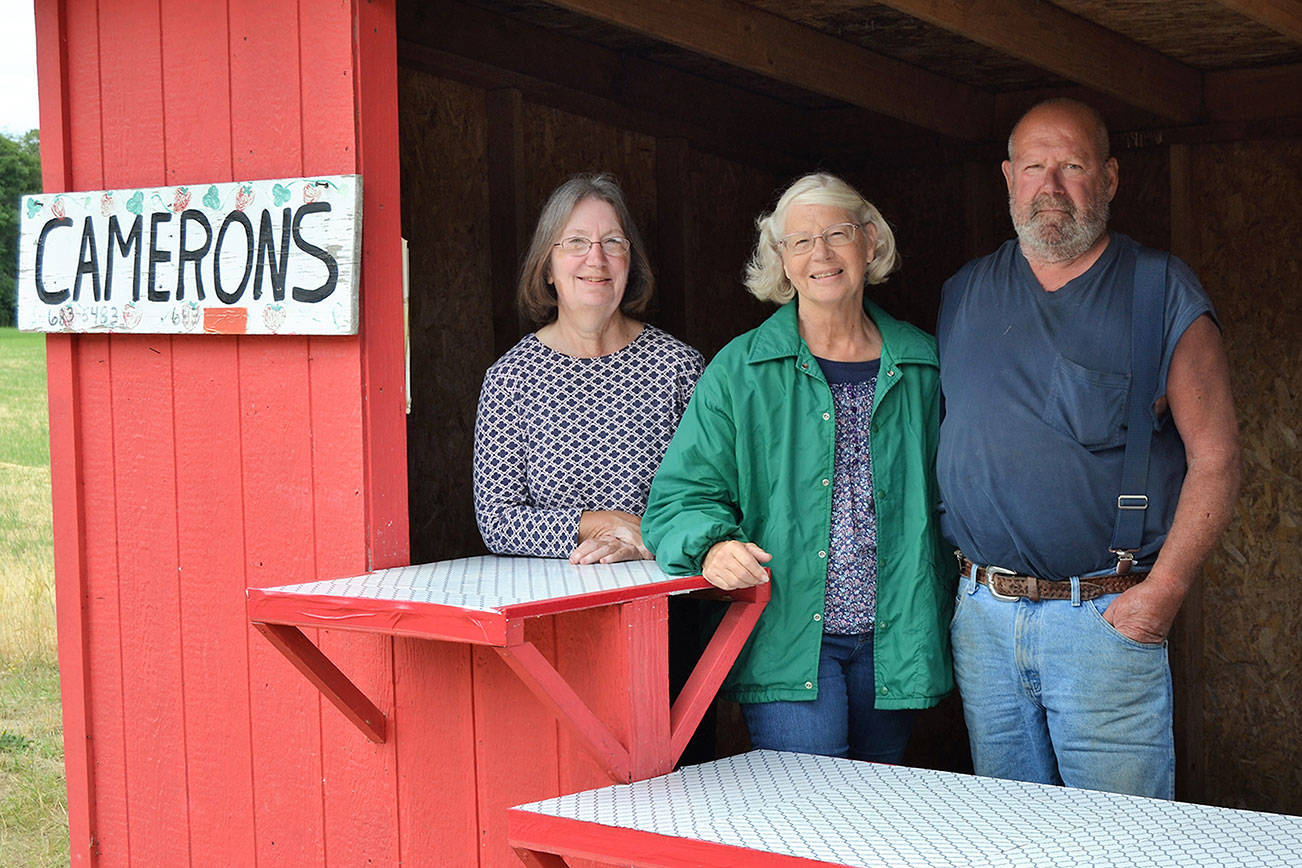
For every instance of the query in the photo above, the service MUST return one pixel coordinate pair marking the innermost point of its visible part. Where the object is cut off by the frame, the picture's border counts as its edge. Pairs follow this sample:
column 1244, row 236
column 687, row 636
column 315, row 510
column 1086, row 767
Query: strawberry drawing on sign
column 181, row 199
column 106, row 203
column 58, row 209
column 274, row 317
column 130, row 315
column 244, row 196
column 67, row 316
column 190, row 315
column 311, row 193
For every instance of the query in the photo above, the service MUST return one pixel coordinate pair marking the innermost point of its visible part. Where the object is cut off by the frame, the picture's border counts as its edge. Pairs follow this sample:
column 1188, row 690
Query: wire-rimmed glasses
column 615, row 246
column 836, row 235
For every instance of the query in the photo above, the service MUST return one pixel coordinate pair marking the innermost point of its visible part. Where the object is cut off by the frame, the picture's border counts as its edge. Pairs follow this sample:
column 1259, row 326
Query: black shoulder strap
column 1146, row 323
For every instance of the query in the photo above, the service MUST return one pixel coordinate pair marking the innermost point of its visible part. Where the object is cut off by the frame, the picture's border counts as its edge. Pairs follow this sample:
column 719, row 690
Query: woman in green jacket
column 809, row 448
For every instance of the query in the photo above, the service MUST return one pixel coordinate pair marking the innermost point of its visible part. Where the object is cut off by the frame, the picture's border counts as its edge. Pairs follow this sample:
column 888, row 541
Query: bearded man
column 1059, row 636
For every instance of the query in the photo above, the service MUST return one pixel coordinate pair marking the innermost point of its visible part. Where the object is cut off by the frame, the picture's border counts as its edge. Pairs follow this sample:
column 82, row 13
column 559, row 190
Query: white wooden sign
column 250, row 257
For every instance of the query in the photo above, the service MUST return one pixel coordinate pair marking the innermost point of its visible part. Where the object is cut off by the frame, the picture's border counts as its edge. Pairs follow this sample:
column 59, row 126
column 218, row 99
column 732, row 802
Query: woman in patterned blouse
column 574, row 419
column 809, row 448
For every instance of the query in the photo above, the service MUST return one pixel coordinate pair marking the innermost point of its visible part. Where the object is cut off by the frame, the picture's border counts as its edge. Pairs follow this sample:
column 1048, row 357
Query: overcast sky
column 18, row 111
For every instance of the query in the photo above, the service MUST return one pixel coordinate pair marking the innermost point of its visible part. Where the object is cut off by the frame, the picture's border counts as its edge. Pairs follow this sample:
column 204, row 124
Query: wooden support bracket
column 551, row 688
column 539, row 858
column 554, row 692
column 693, row 700
column 702, row 685
column 308, row 659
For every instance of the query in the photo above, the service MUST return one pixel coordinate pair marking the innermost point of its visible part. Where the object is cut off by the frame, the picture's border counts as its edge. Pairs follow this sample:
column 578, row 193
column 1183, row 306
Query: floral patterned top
column 850, row 605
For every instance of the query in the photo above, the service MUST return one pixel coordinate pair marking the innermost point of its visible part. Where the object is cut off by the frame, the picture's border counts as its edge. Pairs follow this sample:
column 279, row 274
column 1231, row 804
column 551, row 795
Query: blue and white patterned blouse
column 851, row 601
column 557, row 435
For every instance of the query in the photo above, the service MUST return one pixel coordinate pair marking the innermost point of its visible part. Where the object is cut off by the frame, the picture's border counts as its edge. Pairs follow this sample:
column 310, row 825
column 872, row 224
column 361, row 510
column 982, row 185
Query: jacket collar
column 779, row 337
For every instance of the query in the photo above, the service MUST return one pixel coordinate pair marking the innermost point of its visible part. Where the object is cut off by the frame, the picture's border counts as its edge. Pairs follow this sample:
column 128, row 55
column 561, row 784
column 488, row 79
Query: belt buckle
column 991, row 572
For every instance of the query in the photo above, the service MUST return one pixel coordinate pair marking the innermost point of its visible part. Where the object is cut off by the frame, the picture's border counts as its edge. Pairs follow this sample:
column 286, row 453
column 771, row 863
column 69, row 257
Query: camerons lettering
column 181, row 259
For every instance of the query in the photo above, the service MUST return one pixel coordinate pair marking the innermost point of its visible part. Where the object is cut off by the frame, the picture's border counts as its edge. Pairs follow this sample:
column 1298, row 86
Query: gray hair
column 765, row 277
column 535, row 297
column 1098, row 128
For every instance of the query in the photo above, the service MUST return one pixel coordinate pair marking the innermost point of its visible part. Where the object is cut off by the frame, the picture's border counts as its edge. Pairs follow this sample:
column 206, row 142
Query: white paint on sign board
column 279, row 256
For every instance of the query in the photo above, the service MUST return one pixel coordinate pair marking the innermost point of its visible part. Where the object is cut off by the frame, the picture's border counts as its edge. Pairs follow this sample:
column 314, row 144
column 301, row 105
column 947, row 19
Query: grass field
column 33, row 809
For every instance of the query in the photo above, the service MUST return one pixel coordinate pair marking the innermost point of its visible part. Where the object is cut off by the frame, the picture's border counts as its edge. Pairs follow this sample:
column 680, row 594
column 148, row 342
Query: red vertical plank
column 144, row 470
column 616, row 658
column 285, row 709
column 276, row 452
column 643, row 686
column 515, row 743
column 148, row 598
column 71, row 593
column 95, row 453
column 85, row 154
column 434, row 733
column 382, row 326
column 65, row 472
column 591, row 658
column 205, row 374
column 360, row 777
column 91, row 454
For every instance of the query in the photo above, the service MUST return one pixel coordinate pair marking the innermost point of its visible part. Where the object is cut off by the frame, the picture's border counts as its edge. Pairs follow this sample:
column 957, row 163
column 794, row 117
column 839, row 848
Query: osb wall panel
column 925, row 210
column 1247, row 227
column 724, row 200
column 558, row 144
column 1142, row 206
column 445, row 220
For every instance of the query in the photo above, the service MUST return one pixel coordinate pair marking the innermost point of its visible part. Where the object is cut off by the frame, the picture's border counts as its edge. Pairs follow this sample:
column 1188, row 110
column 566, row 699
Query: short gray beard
column 1066, row 240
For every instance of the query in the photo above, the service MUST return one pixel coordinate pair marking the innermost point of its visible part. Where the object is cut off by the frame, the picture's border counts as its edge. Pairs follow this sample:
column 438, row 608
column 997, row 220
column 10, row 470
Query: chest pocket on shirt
column 1087, row 405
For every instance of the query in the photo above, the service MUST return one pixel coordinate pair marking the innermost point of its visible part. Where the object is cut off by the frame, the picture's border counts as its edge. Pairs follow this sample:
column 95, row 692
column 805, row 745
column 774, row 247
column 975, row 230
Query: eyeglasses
column 836, row 235
column 577, row 245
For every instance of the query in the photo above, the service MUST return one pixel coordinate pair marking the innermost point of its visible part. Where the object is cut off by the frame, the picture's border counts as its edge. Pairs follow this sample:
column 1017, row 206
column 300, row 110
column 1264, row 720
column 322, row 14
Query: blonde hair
column 765, row 277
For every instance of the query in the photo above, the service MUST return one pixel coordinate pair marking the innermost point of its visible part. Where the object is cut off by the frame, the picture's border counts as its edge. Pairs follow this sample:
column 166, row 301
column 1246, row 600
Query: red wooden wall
column 188, row 468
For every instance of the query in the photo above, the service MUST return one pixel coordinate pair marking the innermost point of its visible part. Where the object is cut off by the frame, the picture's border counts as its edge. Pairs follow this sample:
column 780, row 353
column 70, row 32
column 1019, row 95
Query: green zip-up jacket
column 752, row 460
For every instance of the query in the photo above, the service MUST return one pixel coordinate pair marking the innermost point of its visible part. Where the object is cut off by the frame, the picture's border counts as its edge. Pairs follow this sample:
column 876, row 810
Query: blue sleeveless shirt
column 1035, row 388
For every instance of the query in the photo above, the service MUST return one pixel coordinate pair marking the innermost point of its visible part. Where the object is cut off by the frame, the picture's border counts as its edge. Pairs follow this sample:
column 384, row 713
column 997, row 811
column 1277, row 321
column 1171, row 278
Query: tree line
column 20, row 174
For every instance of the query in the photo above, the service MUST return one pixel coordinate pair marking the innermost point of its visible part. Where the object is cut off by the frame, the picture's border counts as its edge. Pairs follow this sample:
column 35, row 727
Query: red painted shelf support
column 336, row 686
column 554, row 692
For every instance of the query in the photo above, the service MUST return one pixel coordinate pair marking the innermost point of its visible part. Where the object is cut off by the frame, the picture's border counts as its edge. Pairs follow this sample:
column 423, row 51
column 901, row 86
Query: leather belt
column 1007, row 585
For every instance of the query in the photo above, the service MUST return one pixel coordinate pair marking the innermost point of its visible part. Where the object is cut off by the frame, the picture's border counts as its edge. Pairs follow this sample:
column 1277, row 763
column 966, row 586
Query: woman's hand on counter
column 735, row 564
column 609, row 536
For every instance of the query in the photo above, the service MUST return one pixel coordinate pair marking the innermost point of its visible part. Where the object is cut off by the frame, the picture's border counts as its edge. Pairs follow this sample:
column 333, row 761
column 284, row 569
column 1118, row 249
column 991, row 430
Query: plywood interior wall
column 1246, row 226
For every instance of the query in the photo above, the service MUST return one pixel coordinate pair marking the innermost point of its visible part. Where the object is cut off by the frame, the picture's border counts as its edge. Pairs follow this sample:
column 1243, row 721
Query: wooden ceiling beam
column 1282, row 16
column 472, row 45
column 761, row 42
column 1070, row 46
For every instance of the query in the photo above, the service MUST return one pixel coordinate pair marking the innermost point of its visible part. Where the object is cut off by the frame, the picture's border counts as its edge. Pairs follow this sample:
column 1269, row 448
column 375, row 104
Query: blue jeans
column 841, row 721
column 1052, row 693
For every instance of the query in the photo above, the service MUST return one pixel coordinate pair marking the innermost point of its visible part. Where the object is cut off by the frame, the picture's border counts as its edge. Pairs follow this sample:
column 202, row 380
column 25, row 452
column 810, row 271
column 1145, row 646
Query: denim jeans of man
column 1053, row 693
column 841, row 721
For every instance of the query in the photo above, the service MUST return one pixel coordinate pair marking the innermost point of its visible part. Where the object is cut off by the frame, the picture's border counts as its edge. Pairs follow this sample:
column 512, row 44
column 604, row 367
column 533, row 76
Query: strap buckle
column 991, row 572
column 1132, row 501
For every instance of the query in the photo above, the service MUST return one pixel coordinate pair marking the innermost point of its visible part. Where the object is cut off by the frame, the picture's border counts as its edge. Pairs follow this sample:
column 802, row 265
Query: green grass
column 33, row 803
column 33, row 808
column 22, row 400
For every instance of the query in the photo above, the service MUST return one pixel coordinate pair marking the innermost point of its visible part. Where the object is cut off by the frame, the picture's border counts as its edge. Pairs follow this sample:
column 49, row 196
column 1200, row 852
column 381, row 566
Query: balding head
column 1062, row 109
